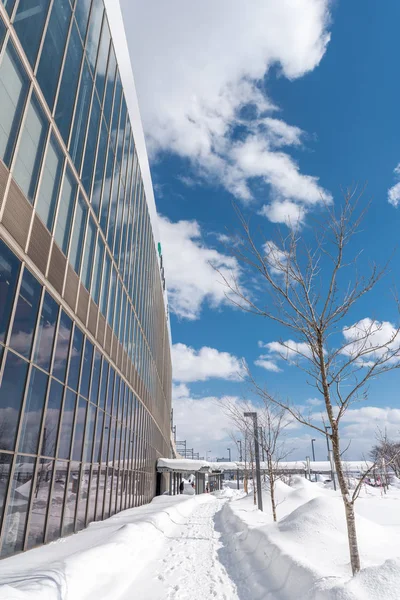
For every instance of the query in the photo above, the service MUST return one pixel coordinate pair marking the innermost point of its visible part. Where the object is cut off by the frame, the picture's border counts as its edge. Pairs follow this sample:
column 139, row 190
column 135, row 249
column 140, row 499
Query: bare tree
column 310, row 290
column 388, row 450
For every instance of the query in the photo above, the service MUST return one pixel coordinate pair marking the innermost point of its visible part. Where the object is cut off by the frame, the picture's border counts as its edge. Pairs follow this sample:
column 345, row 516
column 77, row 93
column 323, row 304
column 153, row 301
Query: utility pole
column 253, row 415
column 313, row 450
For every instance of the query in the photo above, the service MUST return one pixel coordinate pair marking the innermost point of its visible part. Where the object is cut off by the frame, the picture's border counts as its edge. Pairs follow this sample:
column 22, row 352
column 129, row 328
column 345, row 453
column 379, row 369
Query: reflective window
column 86, row 369
column 79, row 429
column 99, row 171
column 97, row 269
column 26, row 314
column 45, row 332
column 92, row 493
column 78, row 233
column 105, row 285
column 53, row 49
column 5, row 469
column 69, row 83
column 83, row 497
column 106, row 437
column 102, row 57
column 98, row 435
column 2, row 32
column 51, row 424
column 110, row 80
column 110, row 390
column 92, row 42
column 95, row 380
column 40, row 500
column 91, row 417
column 17, row 511
column 116, row 110
column 82, row 9
column 103, row 386
column 57, row 501
column 75, row 359
column 67, row 421
column 13, row 90
column 89, row 253
column 62, row 346
column 50, row 183
column 91, row 144
column 30, row 149
column 9, row 270
column 111, row 304
column 65, row 210
column 71, row 495
column 28, row 24
column 113, row 208
column 81, row 116
column 33, row 412
column 105, row 204
column 11, row 396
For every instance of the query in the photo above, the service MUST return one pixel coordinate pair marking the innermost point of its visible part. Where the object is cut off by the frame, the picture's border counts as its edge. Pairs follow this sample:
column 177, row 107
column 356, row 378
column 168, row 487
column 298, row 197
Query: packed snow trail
column 187, row 567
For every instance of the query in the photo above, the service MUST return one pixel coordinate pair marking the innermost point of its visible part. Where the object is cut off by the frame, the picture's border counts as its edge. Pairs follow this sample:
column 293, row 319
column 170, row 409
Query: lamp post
column 253, row 415
column 229, row 454
column 313, row 450
column 240, row 450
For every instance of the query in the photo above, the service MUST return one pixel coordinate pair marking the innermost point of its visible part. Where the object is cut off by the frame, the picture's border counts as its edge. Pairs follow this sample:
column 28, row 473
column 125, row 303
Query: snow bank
column 305, row 555
column 99, row 562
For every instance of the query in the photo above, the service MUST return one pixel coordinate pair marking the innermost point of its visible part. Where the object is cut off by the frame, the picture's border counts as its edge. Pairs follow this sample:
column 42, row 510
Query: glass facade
column 85, row 368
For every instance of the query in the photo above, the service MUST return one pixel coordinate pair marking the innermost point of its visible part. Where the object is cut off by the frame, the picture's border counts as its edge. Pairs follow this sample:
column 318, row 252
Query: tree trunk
column 272, row 489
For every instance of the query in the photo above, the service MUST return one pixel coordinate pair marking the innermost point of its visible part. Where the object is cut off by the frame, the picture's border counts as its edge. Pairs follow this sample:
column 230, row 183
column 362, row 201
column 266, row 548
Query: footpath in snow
column 220, row 546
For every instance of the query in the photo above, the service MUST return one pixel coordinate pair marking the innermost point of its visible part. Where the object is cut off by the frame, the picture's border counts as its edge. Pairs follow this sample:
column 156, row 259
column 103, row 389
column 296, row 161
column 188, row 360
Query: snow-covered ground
column 220, row 546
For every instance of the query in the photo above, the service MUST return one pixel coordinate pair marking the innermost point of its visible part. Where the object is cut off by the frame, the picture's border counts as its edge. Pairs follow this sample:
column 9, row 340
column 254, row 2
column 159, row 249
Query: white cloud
column 197, row 65
column 191, row 278
column 394, row 191
column 368, row 335
column 314, row 402
column 199, row 365
column 287, row 212
column 267, row 364
column 288, row 350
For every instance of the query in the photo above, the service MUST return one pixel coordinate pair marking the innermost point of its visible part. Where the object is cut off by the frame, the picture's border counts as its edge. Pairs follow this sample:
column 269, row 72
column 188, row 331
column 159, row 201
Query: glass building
column 85, row 369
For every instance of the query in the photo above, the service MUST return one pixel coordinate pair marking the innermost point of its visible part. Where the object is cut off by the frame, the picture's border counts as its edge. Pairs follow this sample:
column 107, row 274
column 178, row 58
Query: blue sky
column 276, row 107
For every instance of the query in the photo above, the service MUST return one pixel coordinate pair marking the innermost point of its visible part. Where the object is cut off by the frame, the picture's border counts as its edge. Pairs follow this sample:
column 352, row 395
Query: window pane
column 25, row 315
column 53, row 49
column 79, row 429
column 102, row 58
column 13, row 90
column 41, row 495
column 52, row 420
column 98, row 266
column 61, row 353
column 45, row 333
column 116, row 110
column 71, row 495
column 5, row 468
column 28, row 23
column 30, row 150
column 92, row 493
column 11, row 394
column 17, row 511
column 94, row 390
column 89, row 254
column 81, row 116
column 110, row 80
column 75, row 254
column 9, row 269
column 66, row 210
column 93, row 36
column 82, row 9
column 49, row 187
column 99, row 432
column 75, row 359
column 33, row 412
column 2, row 32
column 83, row 497
column 103, row 387
column 67, row 421
column 111, row 303
column 86, row 369
column 91, row 144
column 57, row 501
column 99, row 171
column 110, row 390
column 69, row 83
column 105, row 285
column 9, row 5
column 105, row 203
column 87, row 452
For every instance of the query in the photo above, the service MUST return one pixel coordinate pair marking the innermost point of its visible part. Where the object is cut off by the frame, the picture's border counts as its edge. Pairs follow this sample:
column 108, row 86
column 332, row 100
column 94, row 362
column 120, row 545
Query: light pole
column 253, row 415
column 240, row 450
column 229, row 454
column 313, row 450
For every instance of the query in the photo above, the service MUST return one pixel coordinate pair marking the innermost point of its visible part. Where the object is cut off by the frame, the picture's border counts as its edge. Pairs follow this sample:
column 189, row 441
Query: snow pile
column 305, row 555
column 99, row 562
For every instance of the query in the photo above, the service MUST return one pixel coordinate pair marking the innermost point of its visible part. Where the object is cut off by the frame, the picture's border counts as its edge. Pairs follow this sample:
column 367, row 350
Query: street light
column 229, row 450
column 313, row 450
column 253, row 415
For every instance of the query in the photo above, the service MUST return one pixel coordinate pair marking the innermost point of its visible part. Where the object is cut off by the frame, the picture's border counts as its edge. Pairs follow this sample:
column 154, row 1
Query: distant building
column 85, row 367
